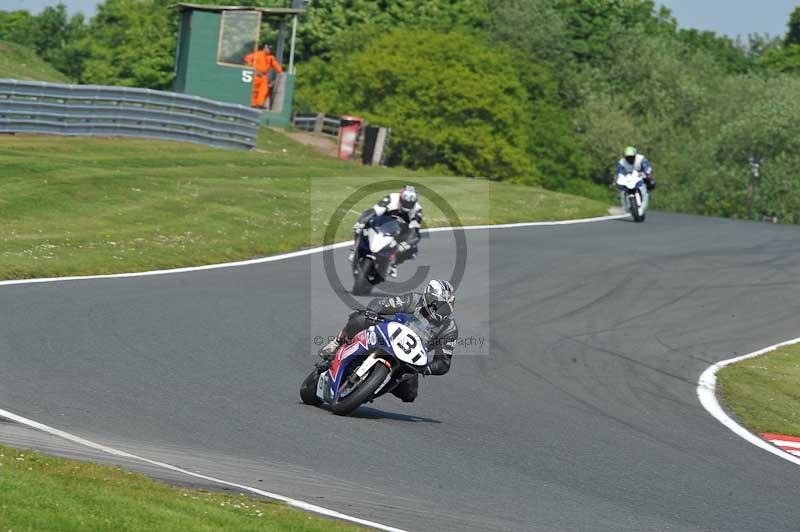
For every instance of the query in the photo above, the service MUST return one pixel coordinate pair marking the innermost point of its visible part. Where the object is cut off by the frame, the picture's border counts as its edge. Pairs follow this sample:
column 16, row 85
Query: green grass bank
column 79, row 206
column 19, row 62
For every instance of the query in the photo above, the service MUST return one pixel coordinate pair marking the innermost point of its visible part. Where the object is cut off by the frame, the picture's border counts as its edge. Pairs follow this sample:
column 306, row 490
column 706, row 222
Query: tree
column 793, row 33
column 767, row 127
column 17, row 27
column 533, row 27
column 320, row 27
column 592, row 23
column 727, row 53
column 52, row 35
column 58, row 40
column 784, row 60
column 132, row 43
column 453, row 105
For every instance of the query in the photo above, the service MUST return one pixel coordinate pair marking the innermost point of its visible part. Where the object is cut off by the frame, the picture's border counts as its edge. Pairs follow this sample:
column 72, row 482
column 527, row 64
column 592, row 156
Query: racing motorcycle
column 633, row 193
column 374, row 253
column 374, row 363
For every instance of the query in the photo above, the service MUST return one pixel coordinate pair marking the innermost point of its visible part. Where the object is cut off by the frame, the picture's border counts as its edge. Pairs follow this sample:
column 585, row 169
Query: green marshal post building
column 212, row 43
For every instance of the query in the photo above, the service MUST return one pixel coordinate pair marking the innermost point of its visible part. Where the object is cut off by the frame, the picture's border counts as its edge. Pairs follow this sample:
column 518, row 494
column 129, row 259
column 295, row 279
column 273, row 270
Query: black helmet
column 408, row 197
column 438, row 300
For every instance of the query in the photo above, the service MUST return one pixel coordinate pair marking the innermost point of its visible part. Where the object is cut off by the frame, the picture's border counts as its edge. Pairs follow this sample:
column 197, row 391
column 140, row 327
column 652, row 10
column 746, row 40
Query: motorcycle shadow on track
column 367, row 412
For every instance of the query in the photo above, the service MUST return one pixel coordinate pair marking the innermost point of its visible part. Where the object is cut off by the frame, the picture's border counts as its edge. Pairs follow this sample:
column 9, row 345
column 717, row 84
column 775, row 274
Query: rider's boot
column 393, row 271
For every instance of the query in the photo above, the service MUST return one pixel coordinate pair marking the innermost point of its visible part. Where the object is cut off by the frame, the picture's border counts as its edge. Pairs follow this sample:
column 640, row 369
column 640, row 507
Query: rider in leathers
column 434, row 305
column 403, row 206
column 631, row 161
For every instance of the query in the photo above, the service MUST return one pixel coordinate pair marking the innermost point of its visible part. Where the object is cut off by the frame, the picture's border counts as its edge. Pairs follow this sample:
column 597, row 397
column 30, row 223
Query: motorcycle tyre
column 308, row 390
column 363, row 393
column 638, row 218
column 361, row 284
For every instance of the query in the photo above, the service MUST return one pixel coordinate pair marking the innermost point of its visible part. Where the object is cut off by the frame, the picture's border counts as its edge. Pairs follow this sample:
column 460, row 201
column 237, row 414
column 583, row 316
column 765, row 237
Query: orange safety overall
column 262, row 62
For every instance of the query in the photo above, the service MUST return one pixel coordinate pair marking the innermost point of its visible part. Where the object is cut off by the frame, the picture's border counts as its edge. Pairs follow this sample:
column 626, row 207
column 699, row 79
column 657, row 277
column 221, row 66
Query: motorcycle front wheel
column 634, row 200
column 363, row 392
column 308, row 390
column 361, row 284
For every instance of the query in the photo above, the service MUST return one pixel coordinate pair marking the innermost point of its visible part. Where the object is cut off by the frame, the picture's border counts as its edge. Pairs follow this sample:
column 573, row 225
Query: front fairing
column 381, row 233
column 379, row 241
column 629, row 182
column 345, row 356
column 391, row 339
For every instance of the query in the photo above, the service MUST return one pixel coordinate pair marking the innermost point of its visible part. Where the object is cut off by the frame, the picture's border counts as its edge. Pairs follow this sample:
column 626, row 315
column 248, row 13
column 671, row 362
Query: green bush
column 452, row 103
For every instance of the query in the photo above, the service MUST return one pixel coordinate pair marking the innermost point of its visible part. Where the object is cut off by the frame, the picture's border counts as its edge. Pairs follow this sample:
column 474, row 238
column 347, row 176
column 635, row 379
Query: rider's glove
column 371, row 317
column 357, row 227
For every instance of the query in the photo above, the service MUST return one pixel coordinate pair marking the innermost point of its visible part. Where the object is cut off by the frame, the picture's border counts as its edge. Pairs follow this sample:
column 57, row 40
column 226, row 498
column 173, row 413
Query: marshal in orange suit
column 262, row 62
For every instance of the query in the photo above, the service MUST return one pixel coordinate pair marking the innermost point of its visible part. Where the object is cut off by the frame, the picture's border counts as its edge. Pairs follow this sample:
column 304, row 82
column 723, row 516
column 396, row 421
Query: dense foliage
column 535, row 91
column 468, row 118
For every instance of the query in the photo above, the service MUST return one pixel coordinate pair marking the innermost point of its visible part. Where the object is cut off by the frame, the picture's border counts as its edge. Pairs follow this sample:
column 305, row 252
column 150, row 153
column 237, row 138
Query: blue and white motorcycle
column 375, row 252
column 633, row 194
column 374, row 363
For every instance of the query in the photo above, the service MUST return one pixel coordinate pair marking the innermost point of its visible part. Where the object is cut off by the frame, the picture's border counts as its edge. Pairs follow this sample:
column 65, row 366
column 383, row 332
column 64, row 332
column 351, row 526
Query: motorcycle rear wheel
column 363, row 391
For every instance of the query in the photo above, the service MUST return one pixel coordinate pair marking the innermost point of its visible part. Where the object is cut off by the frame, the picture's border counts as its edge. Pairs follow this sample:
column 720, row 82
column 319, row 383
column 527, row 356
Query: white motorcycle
column 375, row 252
column 633, row 193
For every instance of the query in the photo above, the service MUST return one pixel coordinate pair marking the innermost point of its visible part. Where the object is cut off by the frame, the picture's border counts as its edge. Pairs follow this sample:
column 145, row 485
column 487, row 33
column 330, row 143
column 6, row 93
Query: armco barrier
column 59, row 109
column 326, row 125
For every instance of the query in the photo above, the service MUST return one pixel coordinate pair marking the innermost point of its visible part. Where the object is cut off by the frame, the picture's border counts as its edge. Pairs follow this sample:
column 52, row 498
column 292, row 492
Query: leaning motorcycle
column 374, row 363
column 633, row 194
column 375, row 251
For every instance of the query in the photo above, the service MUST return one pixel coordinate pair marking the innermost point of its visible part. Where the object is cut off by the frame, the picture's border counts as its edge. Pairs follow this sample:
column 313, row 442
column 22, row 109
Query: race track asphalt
column 579, row 414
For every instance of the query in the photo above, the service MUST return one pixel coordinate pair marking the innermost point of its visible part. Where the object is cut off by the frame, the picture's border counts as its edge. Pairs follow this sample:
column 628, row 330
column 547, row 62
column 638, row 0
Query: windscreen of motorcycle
column 387, row 225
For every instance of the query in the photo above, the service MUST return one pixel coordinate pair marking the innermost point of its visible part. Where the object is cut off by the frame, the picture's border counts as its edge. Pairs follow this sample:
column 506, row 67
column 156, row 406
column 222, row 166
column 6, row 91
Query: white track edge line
column 110, row 450
column 294, row 254
column 289, row 501
column 707, row 393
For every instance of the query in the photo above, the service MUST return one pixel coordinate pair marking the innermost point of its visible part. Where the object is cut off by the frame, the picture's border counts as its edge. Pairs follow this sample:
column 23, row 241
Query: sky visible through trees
column 729, row 17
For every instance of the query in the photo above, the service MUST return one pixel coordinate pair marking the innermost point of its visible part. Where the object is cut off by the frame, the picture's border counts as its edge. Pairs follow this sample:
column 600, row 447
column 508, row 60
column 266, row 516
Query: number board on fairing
column 407, row 345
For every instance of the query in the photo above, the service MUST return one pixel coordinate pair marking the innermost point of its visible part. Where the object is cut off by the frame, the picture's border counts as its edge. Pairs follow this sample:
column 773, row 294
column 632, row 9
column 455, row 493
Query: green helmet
column 630, row 151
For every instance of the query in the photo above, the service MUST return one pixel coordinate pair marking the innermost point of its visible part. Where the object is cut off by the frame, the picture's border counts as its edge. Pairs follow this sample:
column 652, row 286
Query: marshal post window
column 238, row 36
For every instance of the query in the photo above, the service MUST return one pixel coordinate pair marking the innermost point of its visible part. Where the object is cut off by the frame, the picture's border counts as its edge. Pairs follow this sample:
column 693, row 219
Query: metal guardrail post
column 319, row 123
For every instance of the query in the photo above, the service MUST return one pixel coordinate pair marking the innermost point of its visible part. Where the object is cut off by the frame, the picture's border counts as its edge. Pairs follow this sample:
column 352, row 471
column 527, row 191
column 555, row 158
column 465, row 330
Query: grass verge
column 47, row 493
column 79, row 206
column 763, row 391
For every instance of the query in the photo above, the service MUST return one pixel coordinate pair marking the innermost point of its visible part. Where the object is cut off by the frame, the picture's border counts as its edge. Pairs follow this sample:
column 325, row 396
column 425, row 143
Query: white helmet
column 408, row 197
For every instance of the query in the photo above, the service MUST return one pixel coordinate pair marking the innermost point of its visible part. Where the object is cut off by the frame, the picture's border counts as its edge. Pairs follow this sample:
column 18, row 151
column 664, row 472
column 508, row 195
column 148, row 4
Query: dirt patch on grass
column 321, row 143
